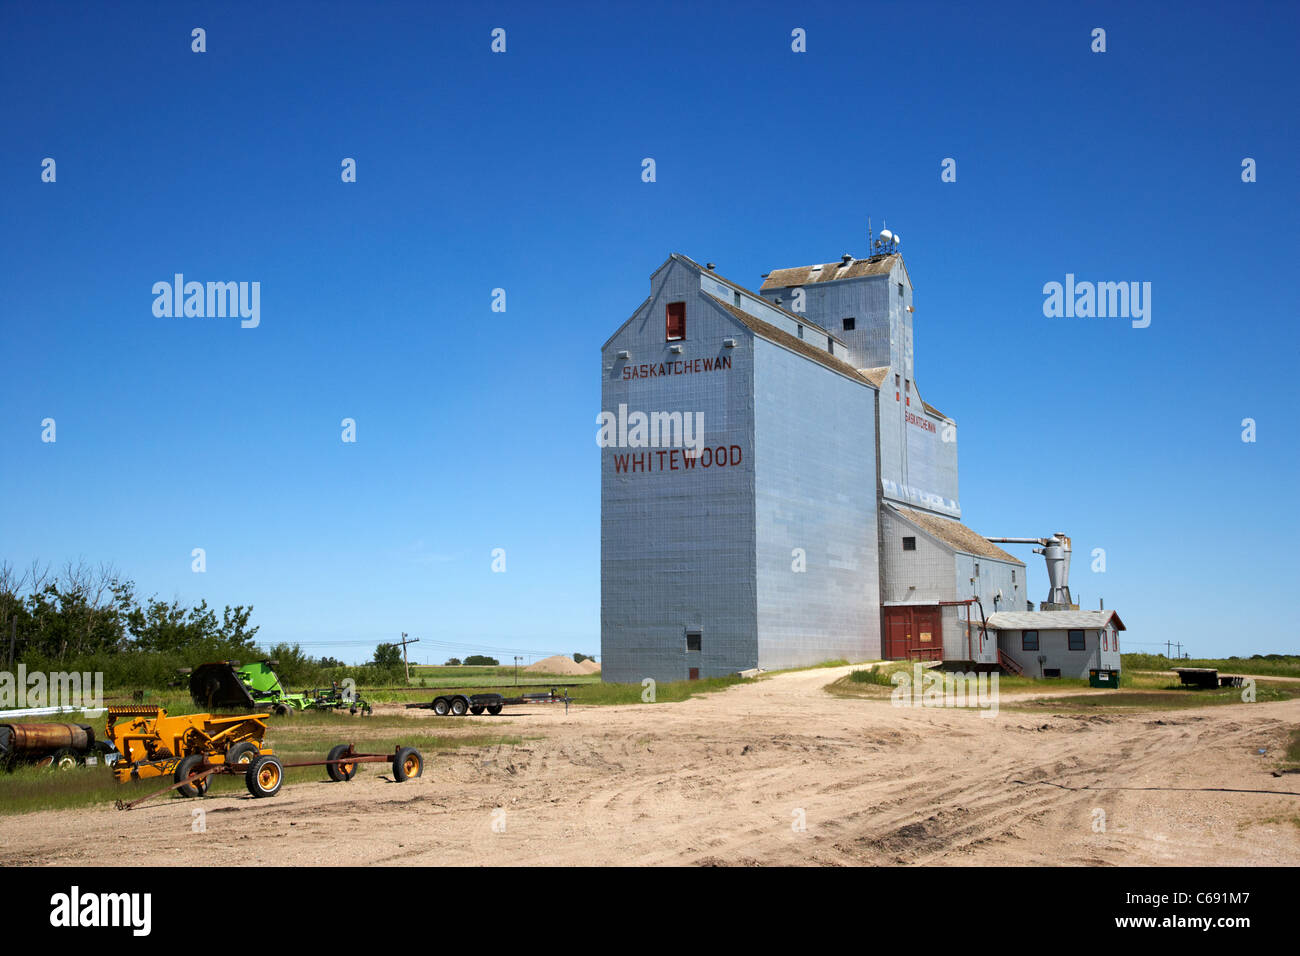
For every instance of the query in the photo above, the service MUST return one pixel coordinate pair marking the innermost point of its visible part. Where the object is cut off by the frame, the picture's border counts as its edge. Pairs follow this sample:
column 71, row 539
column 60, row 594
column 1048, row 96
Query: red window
column 1105, row 640
column 676, row 324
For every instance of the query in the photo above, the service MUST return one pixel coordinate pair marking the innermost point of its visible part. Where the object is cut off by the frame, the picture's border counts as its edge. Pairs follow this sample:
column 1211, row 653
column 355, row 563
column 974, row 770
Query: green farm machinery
column 255, row 686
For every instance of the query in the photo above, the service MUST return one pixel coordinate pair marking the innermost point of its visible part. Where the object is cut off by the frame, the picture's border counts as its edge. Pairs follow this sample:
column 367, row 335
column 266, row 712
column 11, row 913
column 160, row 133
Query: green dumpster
column 1100, row 677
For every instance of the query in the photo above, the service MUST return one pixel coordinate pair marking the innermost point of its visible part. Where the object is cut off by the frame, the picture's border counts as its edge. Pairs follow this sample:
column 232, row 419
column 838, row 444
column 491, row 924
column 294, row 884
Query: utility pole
column 1168, row 648
column 517, row 670
column 404, row 642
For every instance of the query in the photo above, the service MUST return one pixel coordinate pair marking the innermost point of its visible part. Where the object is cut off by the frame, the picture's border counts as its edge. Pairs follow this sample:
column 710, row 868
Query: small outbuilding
column 1058, row 643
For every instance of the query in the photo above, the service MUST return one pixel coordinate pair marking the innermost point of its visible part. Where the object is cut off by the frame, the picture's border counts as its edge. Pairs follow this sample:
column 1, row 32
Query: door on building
column 914, row 632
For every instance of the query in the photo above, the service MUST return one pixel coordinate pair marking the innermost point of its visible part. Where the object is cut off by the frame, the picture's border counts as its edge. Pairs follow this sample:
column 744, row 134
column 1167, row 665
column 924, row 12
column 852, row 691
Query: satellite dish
column 897, row 239
column 886, row 235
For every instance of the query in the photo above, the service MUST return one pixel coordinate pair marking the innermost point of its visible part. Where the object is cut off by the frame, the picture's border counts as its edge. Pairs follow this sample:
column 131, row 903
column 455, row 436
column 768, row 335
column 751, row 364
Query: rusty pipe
column 40, row 738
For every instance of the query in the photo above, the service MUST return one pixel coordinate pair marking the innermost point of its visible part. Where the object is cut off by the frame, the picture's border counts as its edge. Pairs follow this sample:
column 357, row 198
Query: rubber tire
column 459, row 707
column 66, row 759
column 183, row 770
column 400, row 759
column 282, row 710
column 234, row 754
column 252, row 776
column 476, row 709
column 442, row 706
column 337, row 771
column 495, row 709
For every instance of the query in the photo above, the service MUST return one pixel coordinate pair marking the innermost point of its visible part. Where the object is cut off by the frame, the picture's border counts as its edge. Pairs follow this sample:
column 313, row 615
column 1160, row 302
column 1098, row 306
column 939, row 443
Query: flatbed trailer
column 458, row 704
column 1207, row 677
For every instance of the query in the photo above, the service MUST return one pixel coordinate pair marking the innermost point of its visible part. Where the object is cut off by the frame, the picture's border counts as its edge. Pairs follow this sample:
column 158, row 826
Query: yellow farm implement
column 153, row 744
column 193, row 747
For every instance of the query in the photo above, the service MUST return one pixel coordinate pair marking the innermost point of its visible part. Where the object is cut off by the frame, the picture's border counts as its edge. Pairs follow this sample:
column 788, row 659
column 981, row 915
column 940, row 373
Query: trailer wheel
column 264, row 776
column 184, row 769
column 340, row 772
column 66, row 759
column 442, row 706
column 459, row 706
column 407, row 763
column 476, row 709
column 242, row 752
column 494, row 709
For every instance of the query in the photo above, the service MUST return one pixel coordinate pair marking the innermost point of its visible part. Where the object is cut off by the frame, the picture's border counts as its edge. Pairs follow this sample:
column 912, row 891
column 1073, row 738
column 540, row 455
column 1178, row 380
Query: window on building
column 850, row 324
column 676, row 321
column 1105, row 641
column 830, row 346
column 977, row 569
column 909, row 544
column 1013, row 575
column 1076, row 640
column 693, row 640
column 736, row 303
column 801, row 331
column 900, row 290
column 1052, row 672
column 1029, row 640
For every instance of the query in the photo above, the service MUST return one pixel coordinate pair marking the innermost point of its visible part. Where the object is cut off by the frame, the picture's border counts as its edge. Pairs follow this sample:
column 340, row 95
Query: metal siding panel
column 677, row 548
column 815, row 489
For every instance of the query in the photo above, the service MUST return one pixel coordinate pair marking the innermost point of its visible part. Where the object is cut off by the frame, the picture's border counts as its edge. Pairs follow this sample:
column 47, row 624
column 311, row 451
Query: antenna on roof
column 886, row 244
column 868, row 235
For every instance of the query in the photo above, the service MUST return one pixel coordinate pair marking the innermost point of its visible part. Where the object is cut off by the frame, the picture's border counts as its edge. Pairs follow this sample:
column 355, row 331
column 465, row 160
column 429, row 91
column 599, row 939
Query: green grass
column 27, row 788
column 1173, row 697
column 1271, row 665
column 1141, row 691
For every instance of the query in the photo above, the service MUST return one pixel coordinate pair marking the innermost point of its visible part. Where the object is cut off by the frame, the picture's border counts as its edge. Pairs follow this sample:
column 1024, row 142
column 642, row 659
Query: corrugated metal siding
column 815, row 486
column 1054, row 645
column 678, row 548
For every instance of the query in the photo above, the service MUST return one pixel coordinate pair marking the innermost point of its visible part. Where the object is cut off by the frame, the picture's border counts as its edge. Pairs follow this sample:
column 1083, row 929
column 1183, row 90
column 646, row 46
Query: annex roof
column 1053, row 620
column 954, row 534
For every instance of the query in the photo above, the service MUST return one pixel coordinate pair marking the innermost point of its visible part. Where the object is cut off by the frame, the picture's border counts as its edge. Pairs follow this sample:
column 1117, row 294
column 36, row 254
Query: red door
column 695, row 673
column 928, row 633
column 897, row 632
column 913, row 633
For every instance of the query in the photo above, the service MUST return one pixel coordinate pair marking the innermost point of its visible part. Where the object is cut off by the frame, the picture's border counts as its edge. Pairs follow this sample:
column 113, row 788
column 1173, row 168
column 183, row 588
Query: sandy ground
column 726, row 778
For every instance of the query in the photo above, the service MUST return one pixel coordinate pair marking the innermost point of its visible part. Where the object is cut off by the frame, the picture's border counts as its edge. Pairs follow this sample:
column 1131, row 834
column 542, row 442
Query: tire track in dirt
column 722, row 778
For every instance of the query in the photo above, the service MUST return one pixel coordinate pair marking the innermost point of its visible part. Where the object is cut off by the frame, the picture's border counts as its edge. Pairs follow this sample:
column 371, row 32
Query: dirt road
column 726, row 779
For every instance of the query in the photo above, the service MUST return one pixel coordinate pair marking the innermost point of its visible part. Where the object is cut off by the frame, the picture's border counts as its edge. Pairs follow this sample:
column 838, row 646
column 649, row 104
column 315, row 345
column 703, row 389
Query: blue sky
column 522, row 171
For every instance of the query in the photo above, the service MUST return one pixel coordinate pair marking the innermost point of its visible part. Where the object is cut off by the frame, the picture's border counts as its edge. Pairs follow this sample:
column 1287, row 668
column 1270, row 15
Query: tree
column 388, row 656
column 579, row 658
column 330, row 662
column 480, row 660
column 454, row 662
